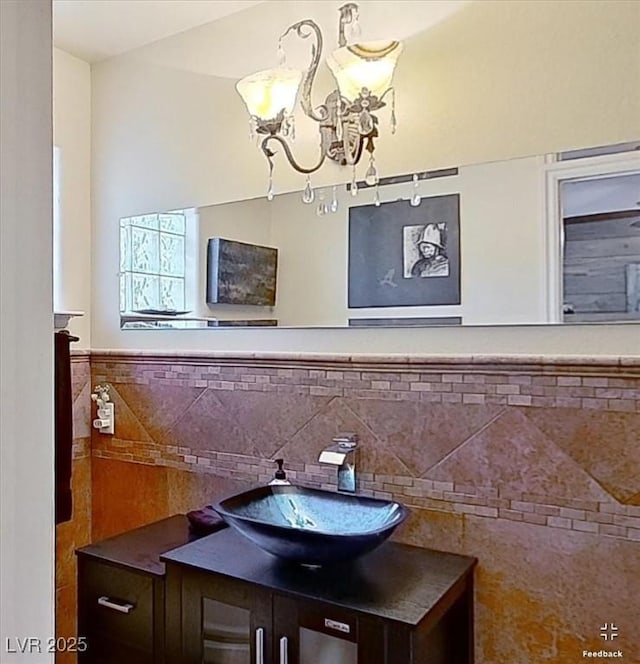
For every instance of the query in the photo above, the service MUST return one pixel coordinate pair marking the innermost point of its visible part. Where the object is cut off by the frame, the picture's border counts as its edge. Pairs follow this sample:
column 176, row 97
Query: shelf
column 61, row 318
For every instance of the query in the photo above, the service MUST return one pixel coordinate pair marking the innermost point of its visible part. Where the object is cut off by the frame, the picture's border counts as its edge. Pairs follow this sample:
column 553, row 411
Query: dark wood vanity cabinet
column 155, row 595
column 228, row 602
column 121, row 594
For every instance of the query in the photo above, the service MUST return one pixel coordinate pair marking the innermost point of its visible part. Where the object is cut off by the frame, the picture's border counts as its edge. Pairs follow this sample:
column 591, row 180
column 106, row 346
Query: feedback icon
column 608, row 632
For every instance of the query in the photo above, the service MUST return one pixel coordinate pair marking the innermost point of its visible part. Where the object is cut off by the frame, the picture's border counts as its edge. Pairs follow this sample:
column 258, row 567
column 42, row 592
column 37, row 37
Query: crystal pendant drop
column 252, row 129
column 371, row 176
column 366, row 123
column 322, row 208
column 333, row 206
column 270, row 188
column 394, row 122
column 282, row 58
column 355, row 32
column 292, row 128
column 415, row 198
column 376, row 197
column 354, row 184
column 308, row 194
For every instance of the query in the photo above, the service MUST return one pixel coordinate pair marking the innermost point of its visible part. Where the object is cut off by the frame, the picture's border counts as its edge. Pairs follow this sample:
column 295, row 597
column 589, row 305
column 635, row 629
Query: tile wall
column 531, row 465
column 76, row 532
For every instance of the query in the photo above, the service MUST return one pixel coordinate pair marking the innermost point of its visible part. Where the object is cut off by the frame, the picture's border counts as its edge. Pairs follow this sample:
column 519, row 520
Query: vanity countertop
column 394, row 582
column 140, row 549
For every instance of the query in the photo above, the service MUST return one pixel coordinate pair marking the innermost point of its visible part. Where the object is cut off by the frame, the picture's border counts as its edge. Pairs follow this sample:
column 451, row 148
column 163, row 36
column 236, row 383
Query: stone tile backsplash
column 427, row 437
column 76, row 532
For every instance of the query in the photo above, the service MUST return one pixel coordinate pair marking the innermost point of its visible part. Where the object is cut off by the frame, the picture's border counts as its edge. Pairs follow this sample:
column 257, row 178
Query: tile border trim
column 618, row 366
column 609, row 518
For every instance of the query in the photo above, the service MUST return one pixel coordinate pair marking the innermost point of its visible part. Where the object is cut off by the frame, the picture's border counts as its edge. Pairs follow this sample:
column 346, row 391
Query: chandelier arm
column 348, row 14
column 321, row 113
column 287, row 151
column 390, row 89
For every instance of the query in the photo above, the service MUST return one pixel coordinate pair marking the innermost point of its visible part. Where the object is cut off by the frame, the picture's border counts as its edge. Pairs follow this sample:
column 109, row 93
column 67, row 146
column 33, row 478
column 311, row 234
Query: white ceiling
column 199, row 35
column 246, row 42
column 94, row 30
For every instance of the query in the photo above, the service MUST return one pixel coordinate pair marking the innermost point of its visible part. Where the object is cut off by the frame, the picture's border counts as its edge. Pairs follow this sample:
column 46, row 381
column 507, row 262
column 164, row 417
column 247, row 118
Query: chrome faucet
column 343, row 455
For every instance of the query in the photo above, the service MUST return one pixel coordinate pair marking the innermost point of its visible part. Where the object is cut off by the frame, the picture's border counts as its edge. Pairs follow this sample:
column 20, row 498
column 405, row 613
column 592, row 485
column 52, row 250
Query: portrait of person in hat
column 432, row 245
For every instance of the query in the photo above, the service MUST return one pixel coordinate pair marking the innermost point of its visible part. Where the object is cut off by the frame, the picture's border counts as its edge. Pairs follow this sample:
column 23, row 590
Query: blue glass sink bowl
column 310, row 526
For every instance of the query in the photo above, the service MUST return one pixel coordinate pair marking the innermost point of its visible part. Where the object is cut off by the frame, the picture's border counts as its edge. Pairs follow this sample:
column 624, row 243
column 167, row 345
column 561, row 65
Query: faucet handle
column 346, row 440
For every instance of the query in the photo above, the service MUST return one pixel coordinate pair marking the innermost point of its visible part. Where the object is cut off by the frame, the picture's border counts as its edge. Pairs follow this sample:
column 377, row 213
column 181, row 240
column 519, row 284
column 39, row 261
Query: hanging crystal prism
column 355, row 32
column 354, row 184
column 333, row 206
column 415, row 198
column 366, row 122
column 270, row 188
column 371, row 176
column 308, row 194
column 292, row 127
column 393, row 121
column 322, row 208
column 376, row 196
column 281, row 55
column 253, row 127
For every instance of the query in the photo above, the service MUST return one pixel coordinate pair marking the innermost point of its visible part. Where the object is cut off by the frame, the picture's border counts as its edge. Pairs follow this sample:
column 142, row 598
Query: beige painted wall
column 495, row 80
column 72, row 135
column 26, row 324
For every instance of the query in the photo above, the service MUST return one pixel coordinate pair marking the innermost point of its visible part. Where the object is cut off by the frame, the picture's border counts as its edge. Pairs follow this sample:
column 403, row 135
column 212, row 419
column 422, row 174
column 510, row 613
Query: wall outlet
column 105, row 422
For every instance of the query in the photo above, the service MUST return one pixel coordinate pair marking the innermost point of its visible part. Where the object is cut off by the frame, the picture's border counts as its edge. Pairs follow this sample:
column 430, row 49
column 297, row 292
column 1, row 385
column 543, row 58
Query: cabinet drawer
column 115, row 605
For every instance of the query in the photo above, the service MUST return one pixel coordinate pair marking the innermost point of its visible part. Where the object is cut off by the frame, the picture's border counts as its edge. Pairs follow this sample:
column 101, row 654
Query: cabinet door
column 224, row 621
column 316, row 633
column 115, row 614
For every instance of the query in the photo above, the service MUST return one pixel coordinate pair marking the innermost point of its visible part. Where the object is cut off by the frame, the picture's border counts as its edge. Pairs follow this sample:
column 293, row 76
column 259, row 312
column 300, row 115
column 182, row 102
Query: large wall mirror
column 551, row 238
column 479, row 218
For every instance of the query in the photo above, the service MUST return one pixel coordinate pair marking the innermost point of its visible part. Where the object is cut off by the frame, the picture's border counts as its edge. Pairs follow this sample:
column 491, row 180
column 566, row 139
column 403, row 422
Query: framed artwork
column 241, row 273
column 405, row 322
column 402, row 256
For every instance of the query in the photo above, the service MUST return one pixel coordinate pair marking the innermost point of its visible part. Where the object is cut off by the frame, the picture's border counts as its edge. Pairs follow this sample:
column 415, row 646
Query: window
column 153, row 262
column 601, row 257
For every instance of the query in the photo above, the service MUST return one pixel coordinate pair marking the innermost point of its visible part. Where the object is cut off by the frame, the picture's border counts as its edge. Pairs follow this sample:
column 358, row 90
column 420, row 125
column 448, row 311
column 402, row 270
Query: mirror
column 540, row 239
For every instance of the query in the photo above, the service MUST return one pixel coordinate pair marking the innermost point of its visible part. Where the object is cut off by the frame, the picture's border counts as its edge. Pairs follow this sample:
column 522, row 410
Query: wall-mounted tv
column 241, row 273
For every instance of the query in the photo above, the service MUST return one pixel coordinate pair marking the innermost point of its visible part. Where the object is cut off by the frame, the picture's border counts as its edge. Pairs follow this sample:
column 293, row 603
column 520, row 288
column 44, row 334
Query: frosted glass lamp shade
column 368, row 66
column 268, row 92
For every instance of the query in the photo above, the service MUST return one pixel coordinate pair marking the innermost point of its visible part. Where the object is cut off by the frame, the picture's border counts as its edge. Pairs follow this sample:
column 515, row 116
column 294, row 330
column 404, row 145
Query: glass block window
column 152, row 262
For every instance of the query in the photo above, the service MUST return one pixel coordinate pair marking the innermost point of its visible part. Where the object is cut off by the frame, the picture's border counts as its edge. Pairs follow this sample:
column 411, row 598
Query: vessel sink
column 310, row 526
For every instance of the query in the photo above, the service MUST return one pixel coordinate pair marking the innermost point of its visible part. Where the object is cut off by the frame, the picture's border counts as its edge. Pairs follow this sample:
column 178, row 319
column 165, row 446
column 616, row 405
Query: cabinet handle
column 122, row 607
column 260, row 645
column 284, row 657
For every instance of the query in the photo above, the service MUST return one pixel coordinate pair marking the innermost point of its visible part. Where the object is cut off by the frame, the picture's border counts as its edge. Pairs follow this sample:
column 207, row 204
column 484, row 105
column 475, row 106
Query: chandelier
column 347, row 123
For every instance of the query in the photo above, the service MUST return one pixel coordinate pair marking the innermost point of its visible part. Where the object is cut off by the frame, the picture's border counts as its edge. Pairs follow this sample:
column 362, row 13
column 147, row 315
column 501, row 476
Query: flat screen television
column 241, row 273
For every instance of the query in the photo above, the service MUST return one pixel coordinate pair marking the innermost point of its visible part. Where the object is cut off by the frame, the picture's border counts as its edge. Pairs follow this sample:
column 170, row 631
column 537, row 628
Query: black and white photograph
column 400, row 255
column 425, row 251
